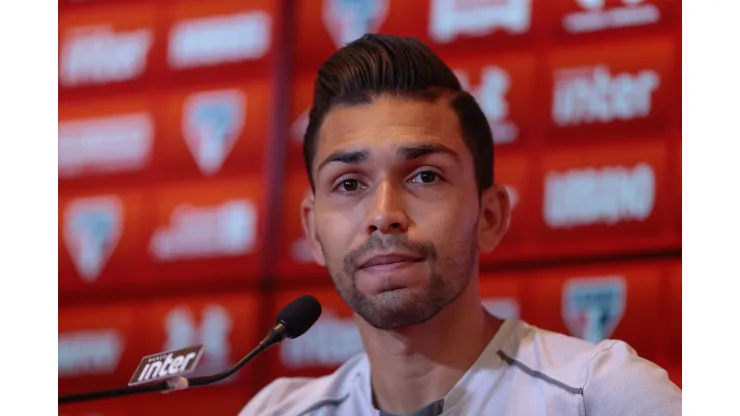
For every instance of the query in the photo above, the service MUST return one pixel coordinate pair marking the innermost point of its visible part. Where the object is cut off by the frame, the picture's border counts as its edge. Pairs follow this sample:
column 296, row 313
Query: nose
column 387, row 214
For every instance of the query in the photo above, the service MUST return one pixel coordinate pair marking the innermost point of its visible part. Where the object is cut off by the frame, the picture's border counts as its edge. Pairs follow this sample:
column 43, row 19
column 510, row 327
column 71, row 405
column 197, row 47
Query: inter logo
column 165, row 365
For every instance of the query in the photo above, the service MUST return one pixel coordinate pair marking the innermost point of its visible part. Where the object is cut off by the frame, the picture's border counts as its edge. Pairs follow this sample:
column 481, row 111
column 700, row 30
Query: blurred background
column 180, row 175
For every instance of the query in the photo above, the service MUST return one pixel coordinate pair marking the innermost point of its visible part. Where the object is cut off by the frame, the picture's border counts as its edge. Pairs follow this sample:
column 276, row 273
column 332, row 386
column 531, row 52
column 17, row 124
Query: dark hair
column 401, row 66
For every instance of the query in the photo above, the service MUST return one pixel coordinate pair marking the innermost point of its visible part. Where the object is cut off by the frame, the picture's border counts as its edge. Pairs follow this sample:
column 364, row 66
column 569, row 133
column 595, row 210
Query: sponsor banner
column 214, row 132
column 514, row 173
column 589, row 17
column 104, row 138
column 296, row 263
column 98, row 348
column 233, row 37
column 614, row 89
column 100, row 238
column 332, row 340
column 301, row 99
column 599, row 199
column 323, row 26
column 111, row 46
column 226, row 325
column 501, row 295
column 504, row 86
column 600, row 302
column 675, row 312
column 205, row 231
column 464, row 24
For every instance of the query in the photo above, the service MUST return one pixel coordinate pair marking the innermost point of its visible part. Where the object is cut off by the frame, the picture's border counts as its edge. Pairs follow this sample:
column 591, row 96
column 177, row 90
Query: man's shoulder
column 560, row 357
column 609, row 375
column 294, row 396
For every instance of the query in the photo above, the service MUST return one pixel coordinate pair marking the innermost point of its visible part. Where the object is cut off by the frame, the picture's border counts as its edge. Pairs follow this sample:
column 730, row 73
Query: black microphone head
column 300, row 315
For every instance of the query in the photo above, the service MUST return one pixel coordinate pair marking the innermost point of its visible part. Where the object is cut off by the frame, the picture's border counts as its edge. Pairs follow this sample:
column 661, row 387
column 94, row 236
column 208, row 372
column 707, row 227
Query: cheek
column 446, row 222
column 336, row 234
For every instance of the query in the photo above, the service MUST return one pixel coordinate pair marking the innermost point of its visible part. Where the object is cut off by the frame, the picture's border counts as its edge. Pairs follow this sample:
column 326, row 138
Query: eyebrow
column 353, row 157
column 356, row 157
column 416, row 152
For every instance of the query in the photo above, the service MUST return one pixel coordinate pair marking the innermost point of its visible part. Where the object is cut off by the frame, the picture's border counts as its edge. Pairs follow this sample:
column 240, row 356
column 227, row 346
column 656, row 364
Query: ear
column 309, row 228
column 495, row 214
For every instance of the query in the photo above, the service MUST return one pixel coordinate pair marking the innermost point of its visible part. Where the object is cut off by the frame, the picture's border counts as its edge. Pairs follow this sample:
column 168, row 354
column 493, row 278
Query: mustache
column 388, row 243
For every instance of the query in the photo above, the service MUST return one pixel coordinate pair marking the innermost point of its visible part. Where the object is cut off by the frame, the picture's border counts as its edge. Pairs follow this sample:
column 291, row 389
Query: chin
column 395, row 320
column 395, row 309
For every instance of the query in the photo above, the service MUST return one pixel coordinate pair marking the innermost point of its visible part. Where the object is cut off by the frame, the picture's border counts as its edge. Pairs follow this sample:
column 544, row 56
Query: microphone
column 292, row 321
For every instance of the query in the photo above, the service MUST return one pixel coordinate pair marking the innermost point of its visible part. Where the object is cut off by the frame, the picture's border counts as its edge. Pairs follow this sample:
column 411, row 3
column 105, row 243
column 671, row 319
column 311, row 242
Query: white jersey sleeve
column 619, row 382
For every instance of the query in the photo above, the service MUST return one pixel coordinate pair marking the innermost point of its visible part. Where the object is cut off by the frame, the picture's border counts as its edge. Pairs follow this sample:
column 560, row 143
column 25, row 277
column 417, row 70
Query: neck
column 415, row 366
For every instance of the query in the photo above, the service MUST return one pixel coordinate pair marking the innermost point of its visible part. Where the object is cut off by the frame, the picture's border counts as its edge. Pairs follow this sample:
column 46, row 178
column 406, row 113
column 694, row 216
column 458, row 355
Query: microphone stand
column 276, row 335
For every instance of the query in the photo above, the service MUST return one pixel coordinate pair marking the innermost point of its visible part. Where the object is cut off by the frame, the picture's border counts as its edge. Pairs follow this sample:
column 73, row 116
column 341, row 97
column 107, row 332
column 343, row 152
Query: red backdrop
column 181, row 172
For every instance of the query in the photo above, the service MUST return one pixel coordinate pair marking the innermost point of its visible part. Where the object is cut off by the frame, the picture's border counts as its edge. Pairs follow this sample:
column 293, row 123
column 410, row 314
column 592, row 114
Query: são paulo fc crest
column 347, row 20
column 211, row 124
column 592, row 308
column 92, row 229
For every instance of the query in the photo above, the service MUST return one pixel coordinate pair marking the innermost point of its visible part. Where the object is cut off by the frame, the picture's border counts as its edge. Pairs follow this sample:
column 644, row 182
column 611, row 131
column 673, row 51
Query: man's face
column 395, row 216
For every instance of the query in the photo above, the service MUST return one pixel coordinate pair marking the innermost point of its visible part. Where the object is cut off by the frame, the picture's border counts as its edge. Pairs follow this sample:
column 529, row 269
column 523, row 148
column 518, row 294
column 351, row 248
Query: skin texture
column 397, row 220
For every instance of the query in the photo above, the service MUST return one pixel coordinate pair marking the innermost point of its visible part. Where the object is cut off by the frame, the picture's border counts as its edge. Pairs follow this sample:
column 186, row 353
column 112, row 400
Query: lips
column 387, row 259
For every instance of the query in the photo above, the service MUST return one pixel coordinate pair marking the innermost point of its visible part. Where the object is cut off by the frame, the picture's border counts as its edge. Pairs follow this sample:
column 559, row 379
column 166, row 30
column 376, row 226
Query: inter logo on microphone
column 166, row 365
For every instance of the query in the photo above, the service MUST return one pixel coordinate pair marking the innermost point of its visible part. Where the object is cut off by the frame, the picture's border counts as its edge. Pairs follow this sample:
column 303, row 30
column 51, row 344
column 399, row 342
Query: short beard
column 449, row 277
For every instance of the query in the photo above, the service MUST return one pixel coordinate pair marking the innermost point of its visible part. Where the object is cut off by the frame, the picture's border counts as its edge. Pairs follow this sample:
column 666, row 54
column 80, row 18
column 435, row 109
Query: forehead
column 388, row 122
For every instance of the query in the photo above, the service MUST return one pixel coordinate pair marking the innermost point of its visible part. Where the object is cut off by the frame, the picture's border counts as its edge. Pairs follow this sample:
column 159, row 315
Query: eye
column 348, row 185
column 426, row 176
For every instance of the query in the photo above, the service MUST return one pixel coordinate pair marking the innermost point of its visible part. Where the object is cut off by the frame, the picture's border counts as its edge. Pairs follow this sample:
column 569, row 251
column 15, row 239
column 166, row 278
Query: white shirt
column 524, row 370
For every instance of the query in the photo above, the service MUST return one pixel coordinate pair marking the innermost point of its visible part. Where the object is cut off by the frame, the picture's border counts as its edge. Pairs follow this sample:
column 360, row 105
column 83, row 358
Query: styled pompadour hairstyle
column 403, row 67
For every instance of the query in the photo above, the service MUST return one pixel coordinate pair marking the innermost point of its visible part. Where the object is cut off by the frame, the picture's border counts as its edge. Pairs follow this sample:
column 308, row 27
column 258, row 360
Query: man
column 400, row 162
